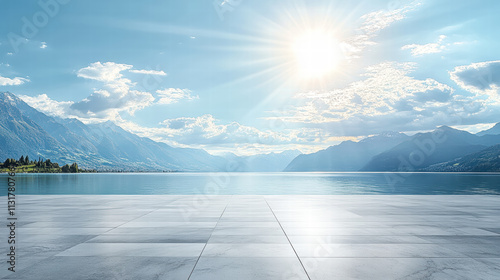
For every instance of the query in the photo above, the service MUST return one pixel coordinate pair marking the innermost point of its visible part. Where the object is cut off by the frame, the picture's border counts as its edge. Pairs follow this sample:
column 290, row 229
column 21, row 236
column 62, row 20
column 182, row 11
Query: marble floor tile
column 493, row 263
column 139, row 224
column 241, row 239
column 27, row 263
column 112, row 268
column 375, row 250
column 491, row 250
column 160, row 230
column 224, row 224
column 248, row 219
column 495, row 230
column 256, row 237
column 65, row 231
column 461, row 239
column 398, row 268
column 151, row 238
column 134, row 250
column 53, row 238
column 248, row 250
column 248, row 231
column 246, row 268
column 69, row 224
column 354, row 239
column 26, row 250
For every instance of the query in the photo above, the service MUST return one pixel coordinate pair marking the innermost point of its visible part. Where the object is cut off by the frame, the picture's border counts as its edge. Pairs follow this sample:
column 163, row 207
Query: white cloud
column 475, row 128
column 372, row 24
column 388, row 98
column 12, row 82
column 103, row 103
column 107, row 103
column 173, row 95
column 116, row 94
column 480, row 78
column 43, row 45
column 437, row 47
column 379, row 93
column 108, row 72
column 378, row 20
column 63, row 109
column 207, row 130
column 48, row 106
column 148, row 72
column 211, row 134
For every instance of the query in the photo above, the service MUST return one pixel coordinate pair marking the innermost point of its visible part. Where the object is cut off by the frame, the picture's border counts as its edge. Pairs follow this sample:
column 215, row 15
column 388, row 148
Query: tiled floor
column 255, row 237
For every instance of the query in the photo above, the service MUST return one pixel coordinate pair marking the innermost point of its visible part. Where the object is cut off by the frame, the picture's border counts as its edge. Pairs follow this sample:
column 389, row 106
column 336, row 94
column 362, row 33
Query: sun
column 316, row 54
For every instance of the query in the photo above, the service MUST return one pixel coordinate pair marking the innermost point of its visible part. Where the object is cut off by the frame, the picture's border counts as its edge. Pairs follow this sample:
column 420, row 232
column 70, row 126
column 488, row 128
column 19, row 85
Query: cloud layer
column 437, row 47
column 173, row 95
column 4, row 81
column 114, row 95
column 207, row 132
column 371, row 25
column 148, row 72
column 388, row 98
column 44, row 104
column 482, row 78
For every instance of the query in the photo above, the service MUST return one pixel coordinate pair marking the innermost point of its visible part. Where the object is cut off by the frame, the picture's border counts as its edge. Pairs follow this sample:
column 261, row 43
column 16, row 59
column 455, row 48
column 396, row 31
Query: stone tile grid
column 256, row 237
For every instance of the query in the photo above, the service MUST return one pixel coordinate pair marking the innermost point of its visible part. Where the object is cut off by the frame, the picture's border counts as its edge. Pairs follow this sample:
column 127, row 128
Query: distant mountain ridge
column 104, row 146
column 20, row 135
column 495, row 130
column 271, row 162
column 487, row 160
column 348, row 155
column 425, row 149
column 395, row 152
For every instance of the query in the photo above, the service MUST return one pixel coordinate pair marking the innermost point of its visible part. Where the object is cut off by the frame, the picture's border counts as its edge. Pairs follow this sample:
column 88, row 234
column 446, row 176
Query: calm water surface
column 256, row 183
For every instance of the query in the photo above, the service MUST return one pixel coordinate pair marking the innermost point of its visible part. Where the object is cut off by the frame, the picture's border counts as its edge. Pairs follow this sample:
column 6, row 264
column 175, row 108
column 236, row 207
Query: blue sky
column 256, row 76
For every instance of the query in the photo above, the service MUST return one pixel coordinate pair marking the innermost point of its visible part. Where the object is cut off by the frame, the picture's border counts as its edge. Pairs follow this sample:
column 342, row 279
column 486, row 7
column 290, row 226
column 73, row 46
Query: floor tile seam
column 206, row 243
column 111, row 228
column 289, row 242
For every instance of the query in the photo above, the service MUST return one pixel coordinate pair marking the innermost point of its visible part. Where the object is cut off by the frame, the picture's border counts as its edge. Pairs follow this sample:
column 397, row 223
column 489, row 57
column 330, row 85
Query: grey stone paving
column 255, row 237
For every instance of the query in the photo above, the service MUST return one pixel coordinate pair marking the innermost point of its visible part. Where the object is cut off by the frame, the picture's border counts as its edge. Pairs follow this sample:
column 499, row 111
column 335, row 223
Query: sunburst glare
column 316, row 54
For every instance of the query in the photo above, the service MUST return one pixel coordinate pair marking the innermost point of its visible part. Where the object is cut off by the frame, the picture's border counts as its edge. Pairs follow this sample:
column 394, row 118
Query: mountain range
column 425, row 149
column 273, row 162
column 348, row 155
column 487, row 160
column 106, row 146
column 397, row 152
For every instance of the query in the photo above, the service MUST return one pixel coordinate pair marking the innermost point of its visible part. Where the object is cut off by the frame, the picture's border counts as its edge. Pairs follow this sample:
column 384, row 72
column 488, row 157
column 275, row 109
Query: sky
column 256, row 76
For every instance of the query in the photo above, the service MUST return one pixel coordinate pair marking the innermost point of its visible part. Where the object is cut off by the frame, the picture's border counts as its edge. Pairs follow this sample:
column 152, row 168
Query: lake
column 310, row 183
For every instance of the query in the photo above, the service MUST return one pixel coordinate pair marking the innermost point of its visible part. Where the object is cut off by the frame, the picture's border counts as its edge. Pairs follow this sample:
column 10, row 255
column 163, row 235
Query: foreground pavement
column 254, row 237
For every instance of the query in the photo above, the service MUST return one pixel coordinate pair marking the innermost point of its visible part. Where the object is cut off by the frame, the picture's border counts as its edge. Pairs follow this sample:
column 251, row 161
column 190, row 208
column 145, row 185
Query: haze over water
column 257, row 183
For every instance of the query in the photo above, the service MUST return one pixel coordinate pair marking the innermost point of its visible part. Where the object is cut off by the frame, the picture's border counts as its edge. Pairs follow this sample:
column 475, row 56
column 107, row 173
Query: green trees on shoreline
column 26, row 165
